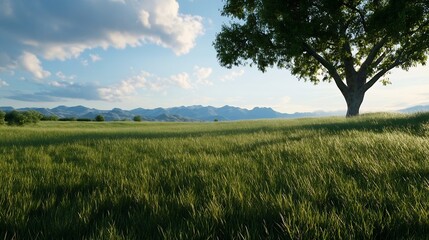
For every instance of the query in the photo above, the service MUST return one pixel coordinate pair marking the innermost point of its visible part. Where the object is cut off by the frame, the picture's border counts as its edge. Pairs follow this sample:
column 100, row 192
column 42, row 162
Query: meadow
column 323, row 178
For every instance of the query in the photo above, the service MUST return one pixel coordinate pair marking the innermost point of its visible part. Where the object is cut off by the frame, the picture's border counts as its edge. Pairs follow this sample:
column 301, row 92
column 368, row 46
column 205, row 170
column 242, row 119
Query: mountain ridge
column 185, row 113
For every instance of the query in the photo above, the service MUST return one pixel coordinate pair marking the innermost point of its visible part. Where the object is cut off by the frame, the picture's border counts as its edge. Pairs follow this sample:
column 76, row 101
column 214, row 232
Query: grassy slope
column 328, row 178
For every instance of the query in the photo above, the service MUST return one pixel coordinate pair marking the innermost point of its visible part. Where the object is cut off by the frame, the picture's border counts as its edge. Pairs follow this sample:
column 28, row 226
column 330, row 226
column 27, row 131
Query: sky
column 128, row 54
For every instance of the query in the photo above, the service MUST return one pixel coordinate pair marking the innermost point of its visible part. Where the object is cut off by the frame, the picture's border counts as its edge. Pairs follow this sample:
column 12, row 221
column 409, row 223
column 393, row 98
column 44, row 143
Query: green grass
column 326, row 178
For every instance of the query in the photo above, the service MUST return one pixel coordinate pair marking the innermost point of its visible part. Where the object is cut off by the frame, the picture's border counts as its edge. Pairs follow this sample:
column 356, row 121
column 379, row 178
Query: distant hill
column 6, row 109
column 175, row 114
column 414, row 109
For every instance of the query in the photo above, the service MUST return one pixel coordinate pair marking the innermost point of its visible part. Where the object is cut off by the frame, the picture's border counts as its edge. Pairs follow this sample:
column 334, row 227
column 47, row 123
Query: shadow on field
column 415, row 124
column 141, row 218
column 64, row 218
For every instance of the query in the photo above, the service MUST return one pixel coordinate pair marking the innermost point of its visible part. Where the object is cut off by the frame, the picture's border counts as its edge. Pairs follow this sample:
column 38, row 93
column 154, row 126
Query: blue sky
column 153, row 53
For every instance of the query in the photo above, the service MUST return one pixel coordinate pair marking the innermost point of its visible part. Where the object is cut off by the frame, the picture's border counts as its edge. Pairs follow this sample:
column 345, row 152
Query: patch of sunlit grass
column 327, row 178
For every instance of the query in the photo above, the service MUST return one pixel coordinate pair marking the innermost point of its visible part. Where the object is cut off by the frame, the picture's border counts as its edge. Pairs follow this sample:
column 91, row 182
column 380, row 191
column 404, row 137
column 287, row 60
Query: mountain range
column 175, row 114
column 415, row 109
column 185, row 114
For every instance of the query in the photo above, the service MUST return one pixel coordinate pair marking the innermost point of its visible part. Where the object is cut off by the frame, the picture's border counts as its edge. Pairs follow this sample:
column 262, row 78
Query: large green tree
column 352, row 42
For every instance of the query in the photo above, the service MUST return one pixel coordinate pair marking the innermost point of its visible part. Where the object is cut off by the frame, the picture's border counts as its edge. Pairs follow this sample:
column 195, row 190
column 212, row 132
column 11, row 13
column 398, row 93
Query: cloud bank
column 59, row 90
column 3, row 83
column 65, row 86
column 143, row 81
column 152, row 82
column 61, row 30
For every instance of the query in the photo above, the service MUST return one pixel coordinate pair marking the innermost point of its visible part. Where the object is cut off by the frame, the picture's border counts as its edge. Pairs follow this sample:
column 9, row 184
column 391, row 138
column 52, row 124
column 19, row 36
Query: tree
column 21, row 118
column 15, row 118
column 99, row 118
column 137, row 118
column 50, row 118
column 32, row 116
column 355, row 43
column 2, row 115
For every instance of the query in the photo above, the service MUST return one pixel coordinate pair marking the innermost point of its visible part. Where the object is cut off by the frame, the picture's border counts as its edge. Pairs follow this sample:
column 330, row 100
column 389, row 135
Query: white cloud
column 57, row 84
column 144, row 18
column 58, row 30
column 62, row 76
column 129, row 87
column 3, row 83
column 233, row 75
column 202, row 74
column 181, row 28
column 33, row 65
column 60, row 51
column 144, row 80
column 121, row 40
column 95, row 57
column 182, row 80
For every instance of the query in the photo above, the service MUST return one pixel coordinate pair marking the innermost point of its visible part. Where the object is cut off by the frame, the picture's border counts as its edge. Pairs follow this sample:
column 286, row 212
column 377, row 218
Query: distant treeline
column 20, row 118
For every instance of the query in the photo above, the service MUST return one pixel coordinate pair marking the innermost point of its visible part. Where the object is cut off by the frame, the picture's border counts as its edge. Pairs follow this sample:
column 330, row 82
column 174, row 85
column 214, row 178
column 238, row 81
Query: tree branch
column 372, row 55
column 377, row 76
column 361, row 14
column 380, row 59
column 348, row 62
column 329, row 66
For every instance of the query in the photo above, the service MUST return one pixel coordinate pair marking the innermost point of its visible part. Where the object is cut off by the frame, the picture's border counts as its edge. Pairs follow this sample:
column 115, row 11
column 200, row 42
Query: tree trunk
column 354, row 99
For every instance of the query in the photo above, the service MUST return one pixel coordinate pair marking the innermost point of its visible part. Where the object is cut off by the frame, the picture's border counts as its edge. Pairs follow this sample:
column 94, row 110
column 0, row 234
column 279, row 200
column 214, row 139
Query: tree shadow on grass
column 415, row 124
column 139, row 219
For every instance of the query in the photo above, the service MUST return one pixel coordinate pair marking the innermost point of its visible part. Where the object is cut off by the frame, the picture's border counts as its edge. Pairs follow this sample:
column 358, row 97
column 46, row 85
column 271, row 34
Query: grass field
column 326, row 178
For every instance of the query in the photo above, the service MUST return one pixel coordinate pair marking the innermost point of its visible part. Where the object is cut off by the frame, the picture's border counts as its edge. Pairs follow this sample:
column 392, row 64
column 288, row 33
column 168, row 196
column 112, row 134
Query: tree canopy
column 353, row 42
column 22, row 118
column 99, row 118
